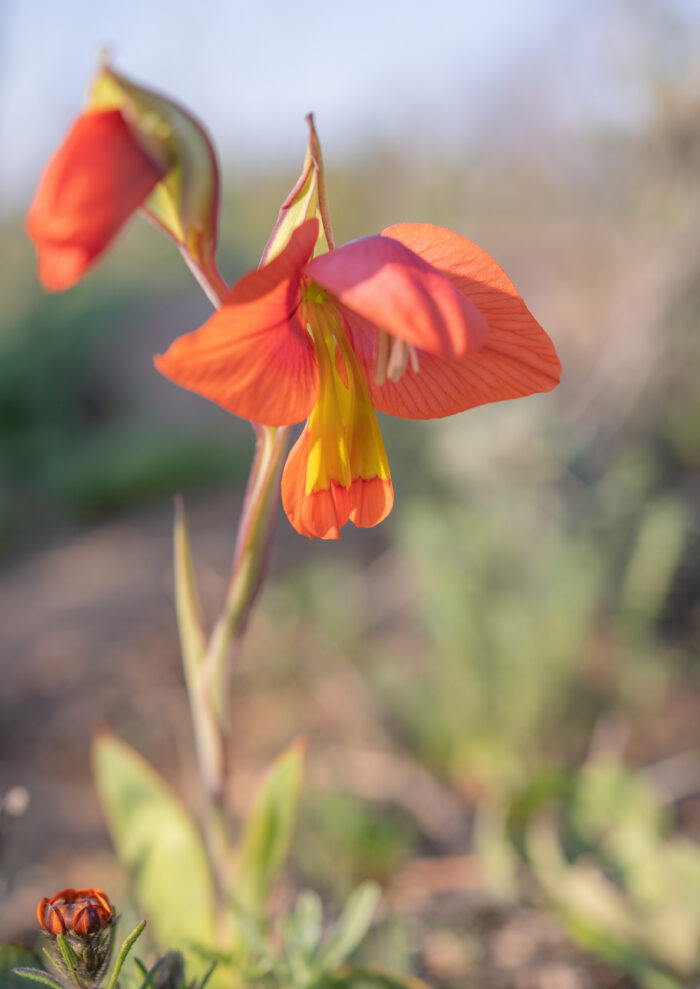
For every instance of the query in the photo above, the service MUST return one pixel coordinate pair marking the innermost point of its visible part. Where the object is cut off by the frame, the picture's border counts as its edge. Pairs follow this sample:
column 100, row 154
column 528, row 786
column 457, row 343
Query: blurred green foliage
column 598, row 842
column 72, row 447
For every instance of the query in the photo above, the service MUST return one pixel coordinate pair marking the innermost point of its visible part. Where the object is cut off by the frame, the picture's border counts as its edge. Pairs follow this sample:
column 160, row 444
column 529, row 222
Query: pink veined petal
column 253, row 356
column 387, row 284
column 518, row 358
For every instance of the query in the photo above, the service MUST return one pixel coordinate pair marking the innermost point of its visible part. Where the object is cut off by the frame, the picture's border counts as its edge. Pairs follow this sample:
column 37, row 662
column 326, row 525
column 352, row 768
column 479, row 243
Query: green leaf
column 268, row 832
column 15, row 956
column 34, row 975
column 126, row 947
column 159, row 844
column 353, row 924
column 308, row 926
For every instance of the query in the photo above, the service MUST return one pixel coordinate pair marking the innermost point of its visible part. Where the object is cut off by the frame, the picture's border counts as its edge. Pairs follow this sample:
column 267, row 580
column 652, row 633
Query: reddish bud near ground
column 80, row 911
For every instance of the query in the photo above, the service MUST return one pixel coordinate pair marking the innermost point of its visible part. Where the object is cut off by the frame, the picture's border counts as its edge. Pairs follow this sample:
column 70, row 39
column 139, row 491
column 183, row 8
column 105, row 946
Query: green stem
column 250, row 559
column 208, row 278
column 247, row 574
column 208, row 662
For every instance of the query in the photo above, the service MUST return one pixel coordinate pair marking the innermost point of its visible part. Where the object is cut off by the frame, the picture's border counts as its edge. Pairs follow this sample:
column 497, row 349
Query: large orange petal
column 254, row 357
column 322, row 513
column 517, row 359
column 393, row 288
column 91, row 186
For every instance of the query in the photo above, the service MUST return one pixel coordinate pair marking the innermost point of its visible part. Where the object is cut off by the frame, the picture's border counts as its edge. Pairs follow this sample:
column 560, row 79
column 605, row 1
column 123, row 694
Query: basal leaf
column 268, row 832
column 353, row 924
column 157, row 841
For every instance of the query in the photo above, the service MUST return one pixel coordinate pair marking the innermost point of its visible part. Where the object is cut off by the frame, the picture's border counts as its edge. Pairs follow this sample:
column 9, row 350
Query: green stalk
column 208, row 661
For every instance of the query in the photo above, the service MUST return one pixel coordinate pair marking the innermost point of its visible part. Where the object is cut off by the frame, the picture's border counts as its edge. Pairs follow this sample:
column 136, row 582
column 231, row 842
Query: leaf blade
column 268, row 831
column 159, row 844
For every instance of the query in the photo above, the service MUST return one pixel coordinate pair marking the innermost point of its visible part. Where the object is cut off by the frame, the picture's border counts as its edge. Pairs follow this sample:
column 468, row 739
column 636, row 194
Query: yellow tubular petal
column 338, row 470
column 344, row 436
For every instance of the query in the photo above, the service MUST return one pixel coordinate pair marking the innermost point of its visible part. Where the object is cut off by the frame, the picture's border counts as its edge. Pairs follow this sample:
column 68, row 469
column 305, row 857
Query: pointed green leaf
column 159, row 844
column 126, row 947
column 15, row 956
column 353, row 924
column 268, row 832
column 33, row 974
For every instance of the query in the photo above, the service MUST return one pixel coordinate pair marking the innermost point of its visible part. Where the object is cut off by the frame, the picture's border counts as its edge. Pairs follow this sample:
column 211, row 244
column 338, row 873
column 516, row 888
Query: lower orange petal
column 321, row 514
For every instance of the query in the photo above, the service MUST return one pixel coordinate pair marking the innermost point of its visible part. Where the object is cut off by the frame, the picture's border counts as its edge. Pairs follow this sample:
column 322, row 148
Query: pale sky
column 431, row 73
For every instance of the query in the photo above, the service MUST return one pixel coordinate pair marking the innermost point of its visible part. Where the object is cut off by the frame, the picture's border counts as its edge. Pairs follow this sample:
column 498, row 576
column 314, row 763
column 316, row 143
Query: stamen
column 392, row 358
column 398, row 360
column 382, row 357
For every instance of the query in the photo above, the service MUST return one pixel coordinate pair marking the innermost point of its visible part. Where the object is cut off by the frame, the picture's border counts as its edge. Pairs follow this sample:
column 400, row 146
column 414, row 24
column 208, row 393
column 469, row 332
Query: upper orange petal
column 93, row 183
column 382, row 281
column 518, row 358
column 254, row 356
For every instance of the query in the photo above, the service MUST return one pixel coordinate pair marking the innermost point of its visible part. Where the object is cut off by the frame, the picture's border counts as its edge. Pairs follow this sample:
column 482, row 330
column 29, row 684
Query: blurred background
column 500, row 684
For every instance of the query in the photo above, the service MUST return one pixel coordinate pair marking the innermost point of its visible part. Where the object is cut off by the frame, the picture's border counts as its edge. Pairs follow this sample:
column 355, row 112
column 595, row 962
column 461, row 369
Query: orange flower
column 417, row 322
column 80, row 911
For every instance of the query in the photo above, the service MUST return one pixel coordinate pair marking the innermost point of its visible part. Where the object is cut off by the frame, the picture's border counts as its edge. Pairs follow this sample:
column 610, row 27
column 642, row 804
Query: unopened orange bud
column 80, row 911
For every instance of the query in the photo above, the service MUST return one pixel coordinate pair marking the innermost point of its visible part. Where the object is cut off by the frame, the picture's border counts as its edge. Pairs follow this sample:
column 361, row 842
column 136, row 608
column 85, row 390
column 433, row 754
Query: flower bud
column 130, row 149
column 185, row 204
column 80, row 924
column 82, row 911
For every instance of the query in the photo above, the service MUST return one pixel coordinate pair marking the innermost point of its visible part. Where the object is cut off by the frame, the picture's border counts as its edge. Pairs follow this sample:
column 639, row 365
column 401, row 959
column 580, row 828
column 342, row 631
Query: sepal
column 306, row 200
column 185, row 203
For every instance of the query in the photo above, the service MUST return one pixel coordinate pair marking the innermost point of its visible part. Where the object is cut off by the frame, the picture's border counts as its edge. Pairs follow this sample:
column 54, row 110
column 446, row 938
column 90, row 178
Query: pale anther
column 393, row 357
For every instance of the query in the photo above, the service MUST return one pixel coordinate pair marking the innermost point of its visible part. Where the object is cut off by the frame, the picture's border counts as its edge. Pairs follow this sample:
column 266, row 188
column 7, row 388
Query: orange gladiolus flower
column 80, row 911
column 417, row 322
column 98, row 177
